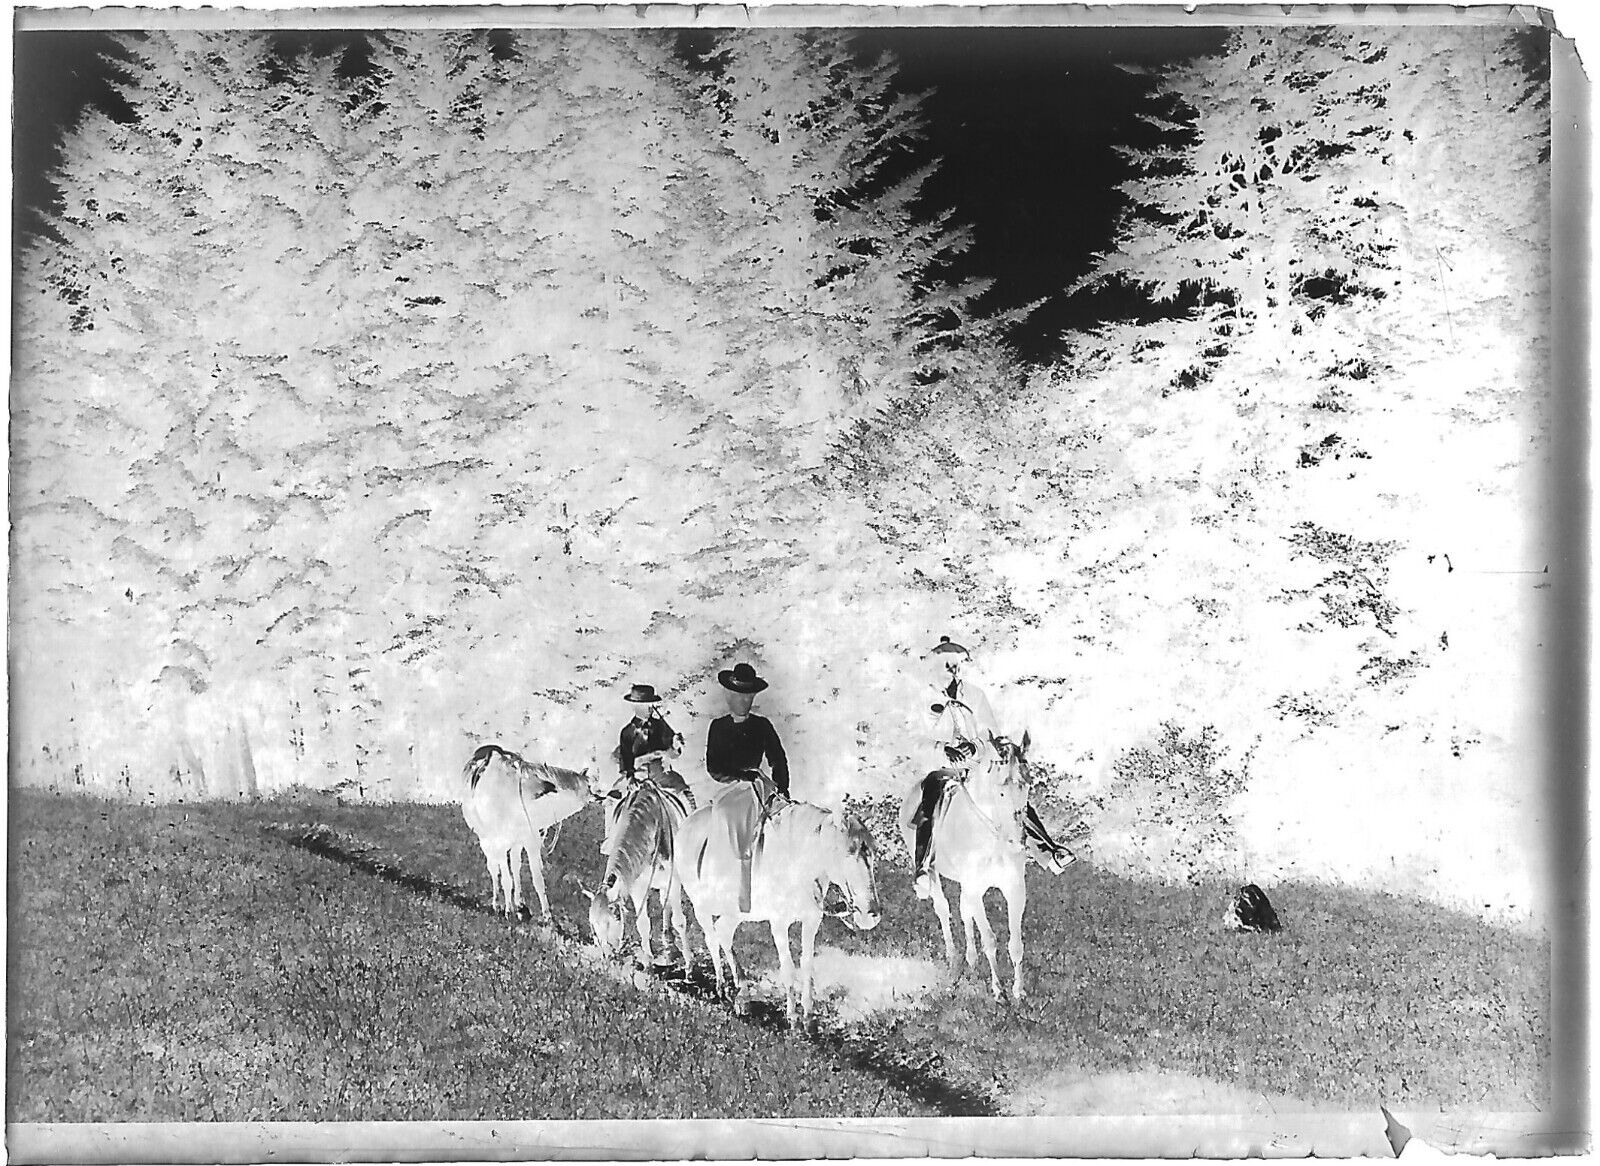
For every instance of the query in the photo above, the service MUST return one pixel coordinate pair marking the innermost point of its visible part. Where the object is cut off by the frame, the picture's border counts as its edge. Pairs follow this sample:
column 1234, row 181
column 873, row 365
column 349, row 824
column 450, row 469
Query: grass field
column 179, row 963
column 187, row 963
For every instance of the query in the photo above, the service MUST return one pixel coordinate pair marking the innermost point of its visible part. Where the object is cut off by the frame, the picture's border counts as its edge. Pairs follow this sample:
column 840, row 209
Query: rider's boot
column 1050, row 852
column 933, row 788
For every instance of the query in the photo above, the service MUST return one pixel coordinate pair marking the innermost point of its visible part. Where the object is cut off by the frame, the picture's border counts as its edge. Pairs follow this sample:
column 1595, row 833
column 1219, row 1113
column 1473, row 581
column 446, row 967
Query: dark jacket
column 734, row 748
column 638, row 739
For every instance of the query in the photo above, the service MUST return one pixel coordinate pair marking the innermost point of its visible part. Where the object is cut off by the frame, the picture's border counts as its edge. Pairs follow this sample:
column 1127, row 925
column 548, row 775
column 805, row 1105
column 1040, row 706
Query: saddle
column 951, row 780
column 747, row 832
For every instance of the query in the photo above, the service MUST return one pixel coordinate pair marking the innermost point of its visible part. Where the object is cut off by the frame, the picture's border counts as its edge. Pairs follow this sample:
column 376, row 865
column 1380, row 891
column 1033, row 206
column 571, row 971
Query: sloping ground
column 1138, row 999
column 1360, row 997
column 177, row 963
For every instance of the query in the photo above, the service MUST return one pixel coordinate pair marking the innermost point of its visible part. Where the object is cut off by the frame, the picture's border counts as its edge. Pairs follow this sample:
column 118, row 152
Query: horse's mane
column 479, row 761
column 553, row 776
column 860, row 838
column 857, row 837
column 804, row 813
column 563, row 779
column 646, row 832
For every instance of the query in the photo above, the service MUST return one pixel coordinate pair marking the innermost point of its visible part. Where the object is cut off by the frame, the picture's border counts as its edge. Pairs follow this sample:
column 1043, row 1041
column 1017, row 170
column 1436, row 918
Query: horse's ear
column 1023, row 748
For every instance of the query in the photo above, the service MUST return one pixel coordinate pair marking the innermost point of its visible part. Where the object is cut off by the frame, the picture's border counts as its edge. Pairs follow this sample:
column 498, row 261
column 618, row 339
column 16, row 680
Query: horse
column 510, row 804
column 639, row 845
column 978, row 843
column 802, row 850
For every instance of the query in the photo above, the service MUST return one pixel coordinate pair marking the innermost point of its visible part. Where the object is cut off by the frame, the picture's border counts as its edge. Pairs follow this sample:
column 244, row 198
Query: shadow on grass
column 902, row 1065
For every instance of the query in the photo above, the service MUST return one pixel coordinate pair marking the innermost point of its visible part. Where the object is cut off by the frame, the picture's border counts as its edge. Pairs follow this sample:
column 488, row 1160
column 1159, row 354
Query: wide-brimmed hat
column 642, row 694
column 740, row 678
column 946, row 646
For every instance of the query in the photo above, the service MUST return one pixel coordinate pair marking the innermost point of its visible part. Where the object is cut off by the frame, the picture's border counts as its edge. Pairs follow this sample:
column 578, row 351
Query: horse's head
column 604, row 781
column 605, row 920
column 857, row 874
column 1010, row 779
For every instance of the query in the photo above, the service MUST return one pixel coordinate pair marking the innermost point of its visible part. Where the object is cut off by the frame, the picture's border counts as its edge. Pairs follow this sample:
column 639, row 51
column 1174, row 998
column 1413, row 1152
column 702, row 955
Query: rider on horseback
column 647, row 739
column 736, row 745
column 648, row 742
column 966, row 724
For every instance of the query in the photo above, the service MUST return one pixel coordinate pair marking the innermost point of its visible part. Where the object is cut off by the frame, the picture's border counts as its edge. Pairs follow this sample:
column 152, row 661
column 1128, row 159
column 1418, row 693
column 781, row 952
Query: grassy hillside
column 180, row 964
column 185, row 962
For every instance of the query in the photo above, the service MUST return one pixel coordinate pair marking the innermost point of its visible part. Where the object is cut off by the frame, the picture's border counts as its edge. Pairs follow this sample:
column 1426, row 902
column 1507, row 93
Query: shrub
column 1167, row 808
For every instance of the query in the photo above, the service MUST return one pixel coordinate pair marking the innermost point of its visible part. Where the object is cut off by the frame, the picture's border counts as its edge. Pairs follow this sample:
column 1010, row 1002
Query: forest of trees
column 360, row 415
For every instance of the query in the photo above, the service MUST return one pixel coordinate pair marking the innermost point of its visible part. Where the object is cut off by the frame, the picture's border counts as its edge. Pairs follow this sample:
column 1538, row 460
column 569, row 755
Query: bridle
column 850, row 908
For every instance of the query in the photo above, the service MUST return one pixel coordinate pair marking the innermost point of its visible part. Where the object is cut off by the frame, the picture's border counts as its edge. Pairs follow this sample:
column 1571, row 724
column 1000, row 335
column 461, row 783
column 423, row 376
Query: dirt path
column 1148, row 1093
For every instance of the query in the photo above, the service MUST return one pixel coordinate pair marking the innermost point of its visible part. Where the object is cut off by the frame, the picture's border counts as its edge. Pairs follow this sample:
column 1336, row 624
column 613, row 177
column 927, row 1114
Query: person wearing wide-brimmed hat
column 647, row 740
column 646, row 745
column 736, row 747
column 963, row 723
column 964, row 726
column 737, row 744
column 960, row 736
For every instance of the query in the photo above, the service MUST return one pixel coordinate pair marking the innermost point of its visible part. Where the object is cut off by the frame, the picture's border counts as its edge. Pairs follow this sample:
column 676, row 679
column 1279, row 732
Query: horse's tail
column 480, row 761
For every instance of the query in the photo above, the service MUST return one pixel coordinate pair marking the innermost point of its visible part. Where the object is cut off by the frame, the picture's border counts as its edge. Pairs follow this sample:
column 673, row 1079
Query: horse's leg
column 536, row 869
column 1016, row 903
column 708, row 929
column 514, row 879
column 969, row 926
column 780, row 940
column 808, row 951
column 641, row 924
column 680, row 923
column 494, row 878
column 981, row 914
column 511, row 874
column 711, row 934
column 727, row 926
column 941, row 908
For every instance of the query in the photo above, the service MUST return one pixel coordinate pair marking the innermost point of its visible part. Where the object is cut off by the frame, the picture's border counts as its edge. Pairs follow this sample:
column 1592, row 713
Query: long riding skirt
column 933, row 788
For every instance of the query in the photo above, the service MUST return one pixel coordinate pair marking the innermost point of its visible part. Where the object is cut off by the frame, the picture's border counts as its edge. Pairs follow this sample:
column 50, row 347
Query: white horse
column 639, row 844
column 801, row 852
column 978, row 843
column 510, row 804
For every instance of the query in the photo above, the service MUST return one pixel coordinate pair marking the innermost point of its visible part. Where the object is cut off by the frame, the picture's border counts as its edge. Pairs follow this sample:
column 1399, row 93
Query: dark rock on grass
column 1250, row 911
